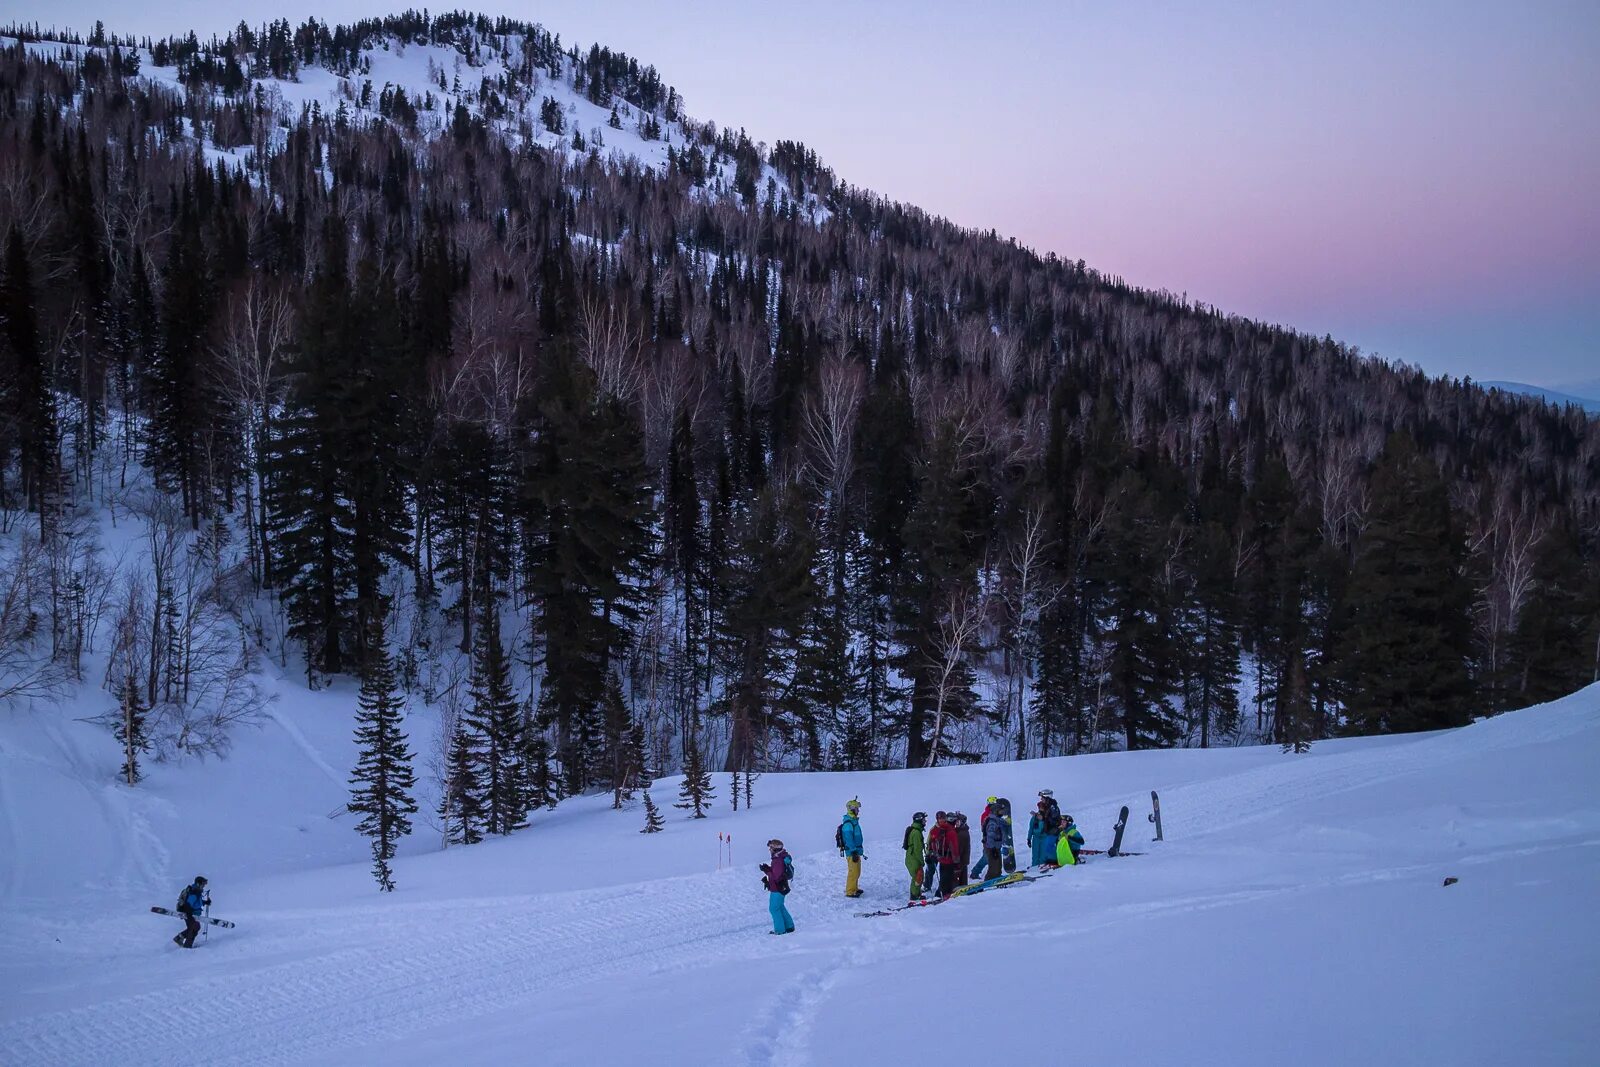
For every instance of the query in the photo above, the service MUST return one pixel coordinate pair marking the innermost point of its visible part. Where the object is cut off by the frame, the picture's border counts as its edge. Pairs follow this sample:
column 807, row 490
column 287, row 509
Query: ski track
column 340, row 781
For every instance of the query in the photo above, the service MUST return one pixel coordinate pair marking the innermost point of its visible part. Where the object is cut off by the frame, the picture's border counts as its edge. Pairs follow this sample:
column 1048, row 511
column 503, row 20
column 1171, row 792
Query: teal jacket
column 850, row 832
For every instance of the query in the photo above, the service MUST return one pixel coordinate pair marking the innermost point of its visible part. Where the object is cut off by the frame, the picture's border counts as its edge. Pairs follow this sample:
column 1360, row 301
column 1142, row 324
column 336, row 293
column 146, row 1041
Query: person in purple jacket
column 775, row 876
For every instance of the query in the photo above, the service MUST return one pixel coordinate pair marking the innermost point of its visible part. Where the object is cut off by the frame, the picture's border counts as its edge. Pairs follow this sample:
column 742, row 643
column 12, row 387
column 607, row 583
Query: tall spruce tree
column 1405, row 654
column 496, row 719
column 586, row 506
column 26, row 392
column 383, row 779
column 461, row 806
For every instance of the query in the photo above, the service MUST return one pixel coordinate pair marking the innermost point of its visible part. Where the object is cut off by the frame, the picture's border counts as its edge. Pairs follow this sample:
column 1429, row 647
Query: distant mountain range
column 1577, row 396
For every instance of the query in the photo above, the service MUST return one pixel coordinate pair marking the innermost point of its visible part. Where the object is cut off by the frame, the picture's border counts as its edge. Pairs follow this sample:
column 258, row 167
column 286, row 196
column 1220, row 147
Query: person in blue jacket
column 776, row 876
column 1042, row 826
column 193, row 901
column 851, row 848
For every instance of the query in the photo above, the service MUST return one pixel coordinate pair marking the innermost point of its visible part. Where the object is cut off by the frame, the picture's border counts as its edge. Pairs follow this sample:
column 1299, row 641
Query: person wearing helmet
column 994, row 841
column 1042, row 830
column 193, row 901
column 946, row 852
column 850, row 847
column 775, row 876
column 914, row 845
column 1069, row 841
column 983, row 836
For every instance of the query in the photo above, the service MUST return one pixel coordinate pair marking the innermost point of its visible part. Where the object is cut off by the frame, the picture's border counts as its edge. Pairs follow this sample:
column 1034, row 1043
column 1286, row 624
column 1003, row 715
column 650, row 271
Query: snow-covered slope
column 1295, row 913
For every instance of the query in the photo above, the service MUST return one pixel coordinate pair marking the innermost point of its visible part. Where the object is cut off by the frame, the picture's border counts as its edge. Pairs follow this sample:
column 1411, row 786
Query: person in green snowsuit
column 1068, row 843
column 913, row 844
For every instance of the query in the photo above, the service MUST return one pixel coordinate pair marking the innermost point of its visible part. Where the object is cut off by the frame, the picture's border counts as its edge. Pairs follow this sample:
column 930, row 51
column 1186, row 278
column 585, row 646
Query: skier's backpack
column 838, row 837
column 183, row 901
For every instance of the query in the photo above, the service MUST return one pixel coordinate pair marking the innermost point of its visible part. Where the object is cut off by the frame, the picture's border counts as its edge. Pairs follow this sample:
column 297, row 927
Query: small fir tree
column 749, row 789
column 382, row 783
column 653, row 822
column 130, row 729
column 696, row 793
column 734, row 789
column 461, row 806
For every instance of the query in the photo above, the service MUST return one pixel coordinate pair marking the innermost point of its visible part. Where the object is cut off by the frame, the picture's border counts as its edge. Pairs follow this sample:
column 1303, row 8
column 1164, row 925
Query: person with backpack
column 1008, row 851
column 192, row 902
column 983, row 835
column 994, row 842
column 776, row 876
column 963, row 846
column 848, row 838
column 946, row 852
column 915, row 846
column 1069, row 841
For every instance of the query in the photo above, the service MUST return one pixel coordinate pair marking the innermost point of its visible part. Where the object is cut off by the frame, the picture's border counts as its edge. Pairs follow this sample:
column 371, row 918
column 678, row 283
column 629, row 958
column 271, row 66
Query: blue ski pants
column 977, row 868
column 782, row 922
column 1044, row 848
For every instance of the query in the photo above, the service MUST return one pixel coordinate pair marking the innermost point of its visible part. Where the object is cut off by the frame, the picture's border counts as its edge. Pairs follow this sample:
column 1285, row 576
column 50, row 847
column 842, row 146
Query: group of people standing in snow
column 937, row 859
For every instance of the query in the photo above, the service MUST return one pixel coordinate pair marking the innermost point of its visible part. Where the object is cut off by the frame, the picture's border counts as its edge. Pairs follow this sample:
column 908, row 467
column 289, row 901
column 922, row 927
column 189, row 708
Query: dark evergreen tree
column 497, row 721
column 653, row 822
column 461, row 806
column 383, row 779
column 766, row 586
column 131, row 727
column 26, row 392
column 1553, row 647
column 586, row 505
column 185, row 413
column 695, row 794
column 1409, row 636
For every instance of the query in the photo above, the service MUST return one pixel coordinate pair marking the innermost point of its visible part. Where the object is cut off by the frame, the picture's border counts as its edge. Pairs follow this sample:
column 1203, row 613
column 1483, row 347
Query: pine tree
column 585, row 502
column 653, row 822
column 496, row 718
column 382, row 782
column 750, row 789
column 733, row 788
column 1553, row 647
column 26, row 394
column 1297, row 726
column 461, row 804
column 130, row 729
column 696, row 793
column 1405, row 655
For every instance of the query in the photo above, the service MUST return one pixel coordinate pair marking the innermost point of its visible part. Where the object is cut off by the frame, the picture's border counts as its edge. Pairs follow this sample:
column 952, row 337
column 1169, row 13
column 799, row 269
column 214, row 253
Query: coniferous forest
column 718, row 464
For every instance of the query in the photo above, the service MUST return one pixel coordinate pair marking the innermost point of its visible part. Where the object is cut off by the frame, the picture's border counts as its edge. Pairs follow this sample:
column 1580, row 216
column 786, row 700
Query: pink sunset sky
column 1421, row 179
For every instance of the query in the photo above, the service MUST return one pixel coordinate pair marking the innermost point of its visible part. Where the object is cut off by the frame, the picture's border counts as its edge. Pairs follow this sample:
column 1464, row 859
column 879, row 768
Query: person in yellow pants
column 851, row 848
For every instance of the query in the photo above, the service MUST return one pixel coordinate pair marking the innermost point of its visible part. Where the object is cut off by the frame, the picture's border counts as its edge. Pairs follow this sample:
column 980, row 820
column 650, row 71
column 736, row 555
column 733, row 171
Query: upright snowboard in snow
column 1122, row 824
column 197, row 918
column 1155, row 812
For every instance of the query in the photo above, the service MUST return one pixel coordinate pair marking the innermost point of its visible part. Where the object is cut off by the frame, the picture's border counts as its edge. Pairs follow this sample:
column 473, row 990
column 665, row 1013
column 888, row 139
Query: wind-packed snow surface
column 1295, row 914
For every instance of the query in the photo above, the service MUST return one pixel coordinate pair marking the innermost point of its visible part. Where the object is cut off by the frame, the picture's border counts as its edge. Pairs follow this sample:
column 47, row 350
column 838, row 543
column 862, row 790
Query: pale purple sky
column 1415, row 178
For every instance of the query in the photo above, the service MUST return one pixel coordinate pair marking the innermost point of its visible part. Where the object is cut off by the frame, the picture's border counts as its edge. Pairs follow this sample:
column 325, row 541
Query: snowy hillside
column 1296, row 913
column 521, row 87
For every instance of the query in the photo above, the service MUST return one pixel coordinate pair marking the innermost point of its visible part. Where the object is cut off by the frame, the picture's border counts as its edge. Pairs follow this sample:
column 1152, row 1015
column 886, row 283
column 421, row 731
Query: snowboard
column 1155, row 812
column 990, row 883
column 1122, row 824
column 198, row 918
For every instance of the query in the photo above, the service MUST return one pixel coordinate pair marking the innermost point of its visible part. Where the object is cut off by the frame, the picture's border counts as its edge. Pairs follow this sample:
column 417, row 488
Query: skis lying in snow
column 1000, row 882
column 198, row 918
